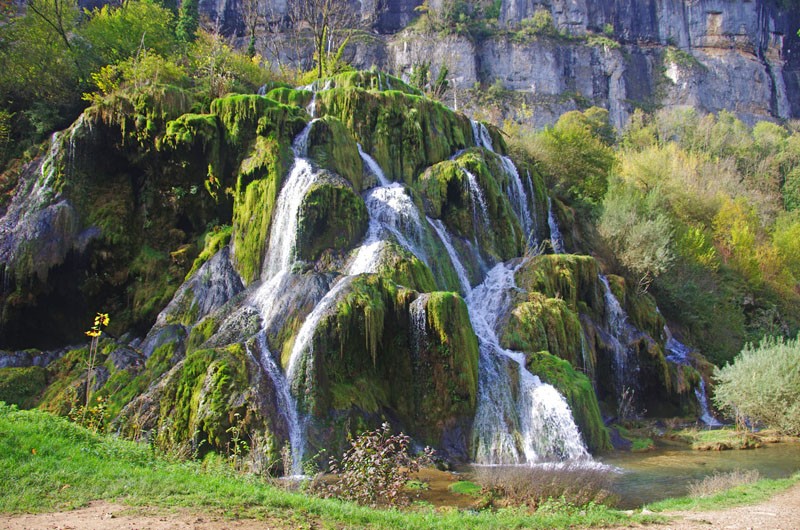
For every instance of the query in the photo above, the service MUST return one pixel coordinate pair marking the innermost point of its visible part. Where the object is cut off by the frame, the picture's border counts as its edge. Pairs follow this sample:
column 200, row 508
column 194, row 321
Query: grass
column 719, row 439
column 465, row 487
column 737, row 496
column 49, row 464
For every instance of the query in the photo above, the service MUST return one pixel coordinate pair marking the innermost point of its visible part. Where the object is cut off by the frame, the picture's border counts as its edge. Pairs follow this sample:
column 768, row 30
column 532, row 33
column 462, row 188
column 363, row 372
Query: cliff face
column 738, row 55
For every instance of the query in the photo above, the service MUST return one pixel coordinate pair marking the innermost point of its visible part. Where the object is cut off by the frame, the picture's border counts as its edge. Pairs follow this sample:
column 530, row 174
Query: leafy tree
column 117, row 33
column 575, row 155
column 330, row 23
column 763, row 385
column 188, row 21
column 638, row 231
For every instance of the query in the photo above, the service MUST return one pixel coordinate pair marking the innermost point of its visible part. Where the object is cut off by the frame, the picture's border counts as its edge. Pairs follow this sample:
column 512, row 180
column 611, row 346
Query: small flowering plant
column 100, row 321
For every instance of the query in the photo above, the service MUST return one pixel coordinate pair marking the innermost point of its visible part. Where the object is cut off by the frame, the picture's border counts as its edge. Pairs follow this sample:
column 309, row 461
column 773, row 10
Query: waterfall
column 679, row 354
column 556, row 241
column 476, row 195
column 311, row 108
column 286, row 405
column 626, row 365
column 516, row 192
column 391, row 213
column 702, row 399
column 444, row 236
column 374, row 167
column 283, row 233
column 535, row 425
column 533, row 239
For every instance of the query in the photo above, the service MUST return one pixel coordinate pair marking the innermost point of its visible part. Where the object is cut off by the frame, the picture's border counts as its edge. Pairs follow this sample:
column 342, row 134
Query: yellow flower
column 93, row 332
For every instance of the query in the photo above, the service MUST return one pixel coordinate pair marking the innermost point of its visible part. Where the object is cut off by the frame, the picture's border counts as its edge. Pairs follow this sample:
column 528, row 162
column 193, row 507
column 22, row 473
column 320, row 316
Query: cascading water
column 286, row 404
column 476, row 195
column 626, row 364
column 705, row 412
column 283, row 233
column 391, row 213
column 556, row 241
column 679, row 354
column 516, row 192
column 538, row 424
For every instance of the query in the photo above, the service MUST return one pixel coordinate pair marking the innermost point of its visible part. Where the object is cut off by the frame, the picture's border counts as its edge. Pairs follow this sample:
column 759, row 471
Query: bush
column 719, row 482
column 575, row 484
column 376, row 468
column 763, row 385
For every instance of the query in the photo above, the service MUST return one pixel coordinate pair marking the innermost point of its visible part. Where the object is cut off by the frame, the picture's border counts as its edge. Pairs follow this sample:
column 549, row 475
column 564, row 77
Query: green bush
column 763, row 385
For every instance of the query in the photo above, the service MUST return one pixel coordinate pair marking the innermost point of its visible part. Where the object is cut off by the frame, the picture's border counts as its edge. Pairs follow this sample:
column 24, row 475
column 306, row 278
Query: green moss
column 22, row 386
column 368, row 80
column 451, row 331
column 257, row 188
column 404, row 133
column 404, row 268
column 155, row 284
column 243, row 117
column 203, row 396
column 578, row 391
column 201, row 332
column 332, row 216
column 215, row 240
column 333, row 147
column 569, row 277
column 546, row 324
column 290, row 96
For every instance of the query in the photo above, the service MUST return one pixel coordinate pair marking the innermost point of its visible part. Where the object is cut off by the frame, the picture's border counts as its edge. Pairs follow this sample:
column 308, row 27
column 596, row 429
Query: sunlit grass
column 49, row 464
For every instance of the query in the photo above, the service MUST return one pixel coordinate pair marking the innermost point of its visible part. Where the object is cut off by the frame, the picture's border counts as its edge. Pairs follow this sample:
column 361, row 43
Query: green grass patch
column 465, row 487
column 719, row 439
column 56, row 465
column 737, row 496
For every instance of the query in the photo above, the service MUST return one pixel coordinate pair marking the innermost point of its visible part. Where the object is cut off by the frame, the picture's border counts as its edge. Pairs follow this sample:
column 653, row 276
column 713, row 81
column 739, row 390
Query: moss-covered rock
column 257, row 188
column 368, row 359
column 333, row 147
column 578, row 391
column 547, row 324
column 569, row 277
column 403, row 133
column 290, row 96
column 332, row 217
column 367, row 80
column 22, row 386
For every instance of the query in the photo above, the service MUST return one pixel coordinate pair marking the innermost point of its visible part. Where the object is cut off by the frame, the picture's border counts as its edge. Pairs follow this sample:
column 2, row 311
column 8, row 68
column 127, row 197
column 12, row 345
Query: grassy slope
column 737, row 496
column 47, row 464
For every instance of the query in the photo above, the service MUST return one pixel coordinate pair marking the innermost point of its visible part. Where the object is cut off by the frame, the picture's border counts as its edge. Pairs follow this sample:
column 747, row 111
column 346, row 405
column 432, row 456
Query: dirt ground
column 781, row 512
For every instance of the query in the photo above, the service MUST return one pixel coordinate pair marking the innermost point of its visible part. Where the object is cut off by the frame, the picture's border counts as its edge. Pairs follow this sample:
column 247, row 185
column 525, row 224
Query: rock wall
column 619, row 54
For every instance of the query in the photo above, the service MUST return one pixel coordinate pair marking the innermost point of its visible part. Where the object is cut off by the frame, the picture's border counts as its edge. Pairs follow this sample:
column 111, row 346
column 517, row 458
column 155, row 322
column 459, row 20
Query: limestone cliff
column 739, row 55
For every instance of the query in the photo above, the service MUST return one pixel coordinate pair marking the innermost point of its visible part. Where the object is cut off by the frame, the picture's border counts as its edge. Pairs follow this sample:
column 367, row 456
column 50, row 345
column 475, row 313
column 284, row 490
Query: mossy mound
column 332, row 217
column 578, row 391
column 569, row 277
column 403, row 133
column 366, row 358
column 333, row 147
column 22, row 386
column 448, row 195
column 547, row 324
column 367, row 80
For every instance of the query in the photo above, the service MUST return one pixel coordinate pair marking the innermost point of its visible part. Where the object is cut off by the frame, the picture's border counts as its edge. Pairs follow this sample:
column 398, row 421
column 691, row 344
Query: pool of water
column 668, row 471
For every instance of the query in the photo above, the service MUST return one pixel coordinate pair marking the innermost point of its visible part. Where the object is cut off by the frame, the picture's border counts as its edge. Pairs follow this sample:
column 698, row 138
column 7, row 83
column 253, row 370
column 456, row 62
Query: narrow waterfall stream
column 556, row 241
column 620, row 331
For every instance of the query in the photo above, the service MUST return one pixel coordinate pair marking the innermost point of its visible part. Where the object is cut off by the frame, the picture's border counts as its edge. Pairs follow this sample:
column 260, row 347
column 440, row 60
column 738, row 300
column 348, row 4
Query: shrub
column 722, row 481
column 763, row 385
column 575, row 484
column 376, row 468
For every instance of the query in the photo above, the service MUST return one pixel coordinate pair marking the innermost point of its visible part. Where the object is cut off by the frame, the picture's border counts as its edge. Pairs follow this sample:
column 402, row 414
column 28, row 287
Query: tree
column 763, row 385
column 188, row 21
column 330, row 22
column 638, row 231
column 252, row 15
